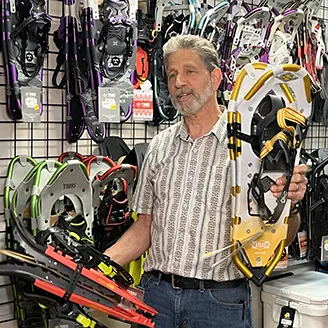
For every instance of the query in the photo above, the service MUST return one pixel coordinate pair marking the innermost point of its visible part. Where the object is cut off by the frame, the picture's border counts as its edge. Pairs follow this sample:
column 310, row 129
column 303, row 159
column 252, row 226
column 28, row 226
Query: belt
column 194, row 283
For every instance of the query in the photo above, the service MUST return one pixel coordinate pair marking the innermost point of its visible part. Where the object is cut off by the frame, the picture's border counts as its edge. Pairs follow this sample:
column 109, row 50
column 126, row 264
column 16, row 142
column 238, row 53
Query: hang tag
column 324, row 248
column 287, row 316
column 138, row 292
column 302, row 243
column 283, row 263
column 31, row 100
column 143, row 105
column 135, row 291
column 109, row 105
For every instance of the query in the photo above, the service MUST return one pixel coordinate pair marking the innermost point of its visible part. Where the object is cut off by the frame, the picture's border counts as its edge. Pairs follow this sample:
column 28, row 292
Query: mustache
column 180, row 92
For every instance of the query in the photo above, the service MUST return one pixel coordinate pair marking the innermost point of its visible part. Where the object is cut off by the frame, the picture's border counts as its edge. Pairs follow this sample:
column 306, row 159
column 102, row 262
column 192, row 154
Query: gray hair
column 201, row 46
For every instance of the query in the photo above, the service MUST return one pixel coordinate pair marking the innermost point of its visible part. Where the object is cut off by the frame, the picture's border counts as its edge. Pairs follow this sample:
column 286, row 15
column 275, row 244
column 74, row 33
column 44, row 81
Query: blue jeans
column 195, row 308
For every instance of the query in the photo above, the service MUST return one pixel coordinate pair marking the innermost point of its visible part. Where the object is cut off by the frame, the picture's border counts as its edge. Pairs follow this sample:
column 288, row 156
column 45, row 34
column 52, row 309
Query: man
column 184, row 205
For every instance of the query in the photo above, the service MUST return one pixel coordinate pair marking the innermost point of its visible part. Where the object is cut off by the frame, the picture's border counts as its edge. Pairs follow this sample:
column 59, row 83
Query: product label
column 143, row 105
column 283, row 263
column 287, row 316
column 324, row 248
column 138, row 292
column 109, row 105
column 302, row 243
column 31, row 100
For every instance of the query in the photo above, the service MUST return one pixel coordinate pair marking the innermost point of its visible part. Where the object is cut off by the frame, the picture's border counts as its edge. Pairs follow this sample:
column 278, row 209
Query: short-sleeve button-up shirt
column 186, row 185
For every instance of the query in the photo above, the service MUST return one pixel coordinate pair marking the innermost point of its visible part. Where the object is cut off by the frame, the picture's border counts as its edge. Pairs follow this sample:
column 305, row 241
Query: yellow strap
column 74, row 235
column 85, row 322
column 78, row 238
column 291, row 115
column 77, row 224
column 268, row 146
column 283, row 115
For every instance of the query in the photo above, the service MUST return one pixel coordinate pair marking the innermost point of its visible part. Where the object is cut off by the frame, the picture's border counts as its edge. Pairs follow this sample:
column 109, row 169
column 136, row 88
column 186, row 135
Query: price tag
column 109, row 105
column 287, row 316
column 302, row 243
column 31, row 100
column 324, row 248
column 143, row 105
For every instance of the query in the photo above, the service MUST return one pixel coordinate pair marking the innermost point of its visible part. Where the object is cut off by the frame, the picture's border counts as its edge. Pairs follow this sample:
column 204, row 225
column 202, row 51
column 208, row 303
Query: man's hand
column 297, row 185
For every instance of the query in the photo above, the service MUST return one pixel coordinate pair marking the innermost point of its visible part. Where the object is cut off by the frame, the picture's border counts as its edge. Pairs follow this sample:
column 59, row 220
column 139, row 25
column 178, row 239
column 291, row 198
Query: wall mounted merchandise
column 83, row 92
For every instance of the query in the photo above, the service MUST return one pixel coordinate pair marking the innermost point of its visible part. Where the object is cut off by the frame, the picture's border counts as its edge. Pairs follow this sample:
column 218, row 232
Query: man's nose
column 179, row 81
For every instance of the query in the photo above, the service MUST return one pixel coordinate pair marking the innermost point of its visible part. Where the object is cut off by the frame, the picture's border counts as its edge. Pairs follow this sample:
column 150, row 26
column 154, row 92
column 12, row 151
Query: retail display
column 315, row 205
column 53, row 236
column 110, row 50
column 71, row 39
column 62, row 213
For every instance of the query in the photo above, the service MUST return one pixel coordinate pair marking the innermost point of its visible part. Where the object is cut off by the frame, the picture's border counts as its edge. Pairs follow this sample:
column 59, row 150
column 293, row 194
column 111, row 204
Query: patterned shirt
column 186, row 186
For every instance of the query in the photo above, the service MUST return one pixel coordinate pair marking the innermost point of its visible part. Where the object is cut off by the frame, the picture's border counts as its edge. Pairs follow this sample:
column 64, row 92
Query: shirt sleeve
column 144, row 193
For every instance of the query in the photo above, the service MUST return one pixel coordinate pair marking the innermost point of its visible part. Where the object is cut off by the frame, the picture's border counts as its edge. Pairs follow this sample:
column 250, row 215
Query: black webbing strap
column 22, row 26
column 73, row 282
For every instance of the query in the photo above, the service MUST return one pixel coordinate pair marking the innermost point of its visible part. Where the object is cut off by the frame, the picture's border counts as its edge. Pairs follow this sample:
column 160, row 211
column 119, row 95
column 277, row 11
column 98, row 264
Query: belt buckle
column 172, row 282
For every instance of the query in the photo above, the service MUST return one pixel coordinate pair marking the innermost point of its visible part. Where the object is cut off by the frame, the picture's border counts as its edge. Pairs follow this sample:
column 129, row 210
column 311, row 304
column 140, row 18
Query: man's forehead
column 191, row 59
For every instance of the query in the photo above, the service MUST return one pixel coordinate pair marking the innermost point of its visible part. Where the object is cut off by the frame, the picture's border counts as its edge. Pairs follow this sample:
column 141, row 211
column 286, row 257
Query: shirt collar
column 219, row 129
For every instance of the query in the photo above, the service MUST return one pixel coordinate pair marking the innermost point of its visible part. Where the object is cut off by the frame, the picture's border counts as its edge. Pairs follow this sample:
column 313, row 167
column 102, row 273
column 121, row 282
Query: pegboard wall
column 317, row 137
column 47, row 139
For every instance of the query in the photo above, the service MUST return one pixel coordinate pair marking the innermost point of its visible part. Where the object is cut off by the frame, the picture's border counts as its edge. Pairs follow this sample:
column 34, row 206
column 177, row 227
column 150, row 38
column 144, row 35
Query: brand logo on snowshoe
column 116, row 61
column 29, row 57
column 69, row 185
column 261, row 244
column 287, row 77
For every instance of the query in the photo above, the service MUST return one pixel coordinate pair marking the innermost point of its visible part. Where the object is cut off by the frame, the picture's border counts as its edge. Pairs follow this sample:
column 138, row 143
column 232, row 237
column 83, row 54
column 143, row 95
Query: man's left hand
column 297, row 185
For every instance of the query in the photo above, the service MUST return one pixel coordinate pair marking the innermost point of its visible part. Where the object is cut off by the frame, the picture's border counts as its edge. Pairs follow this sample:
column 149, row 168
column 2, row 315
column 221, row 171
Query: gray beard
column 197, row 103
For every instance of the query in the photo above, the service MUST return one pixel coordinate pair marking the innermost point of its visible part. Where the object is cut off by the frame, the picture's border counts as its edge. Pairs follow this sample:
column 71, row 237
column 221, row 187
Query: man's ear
column 216, row 76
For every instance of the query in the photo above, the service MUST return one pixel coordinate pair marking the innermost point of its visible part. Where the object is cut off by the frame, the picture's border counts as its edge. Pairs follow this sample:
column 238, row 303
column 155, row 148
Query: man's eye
column 171, row 76
column 189, row 71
